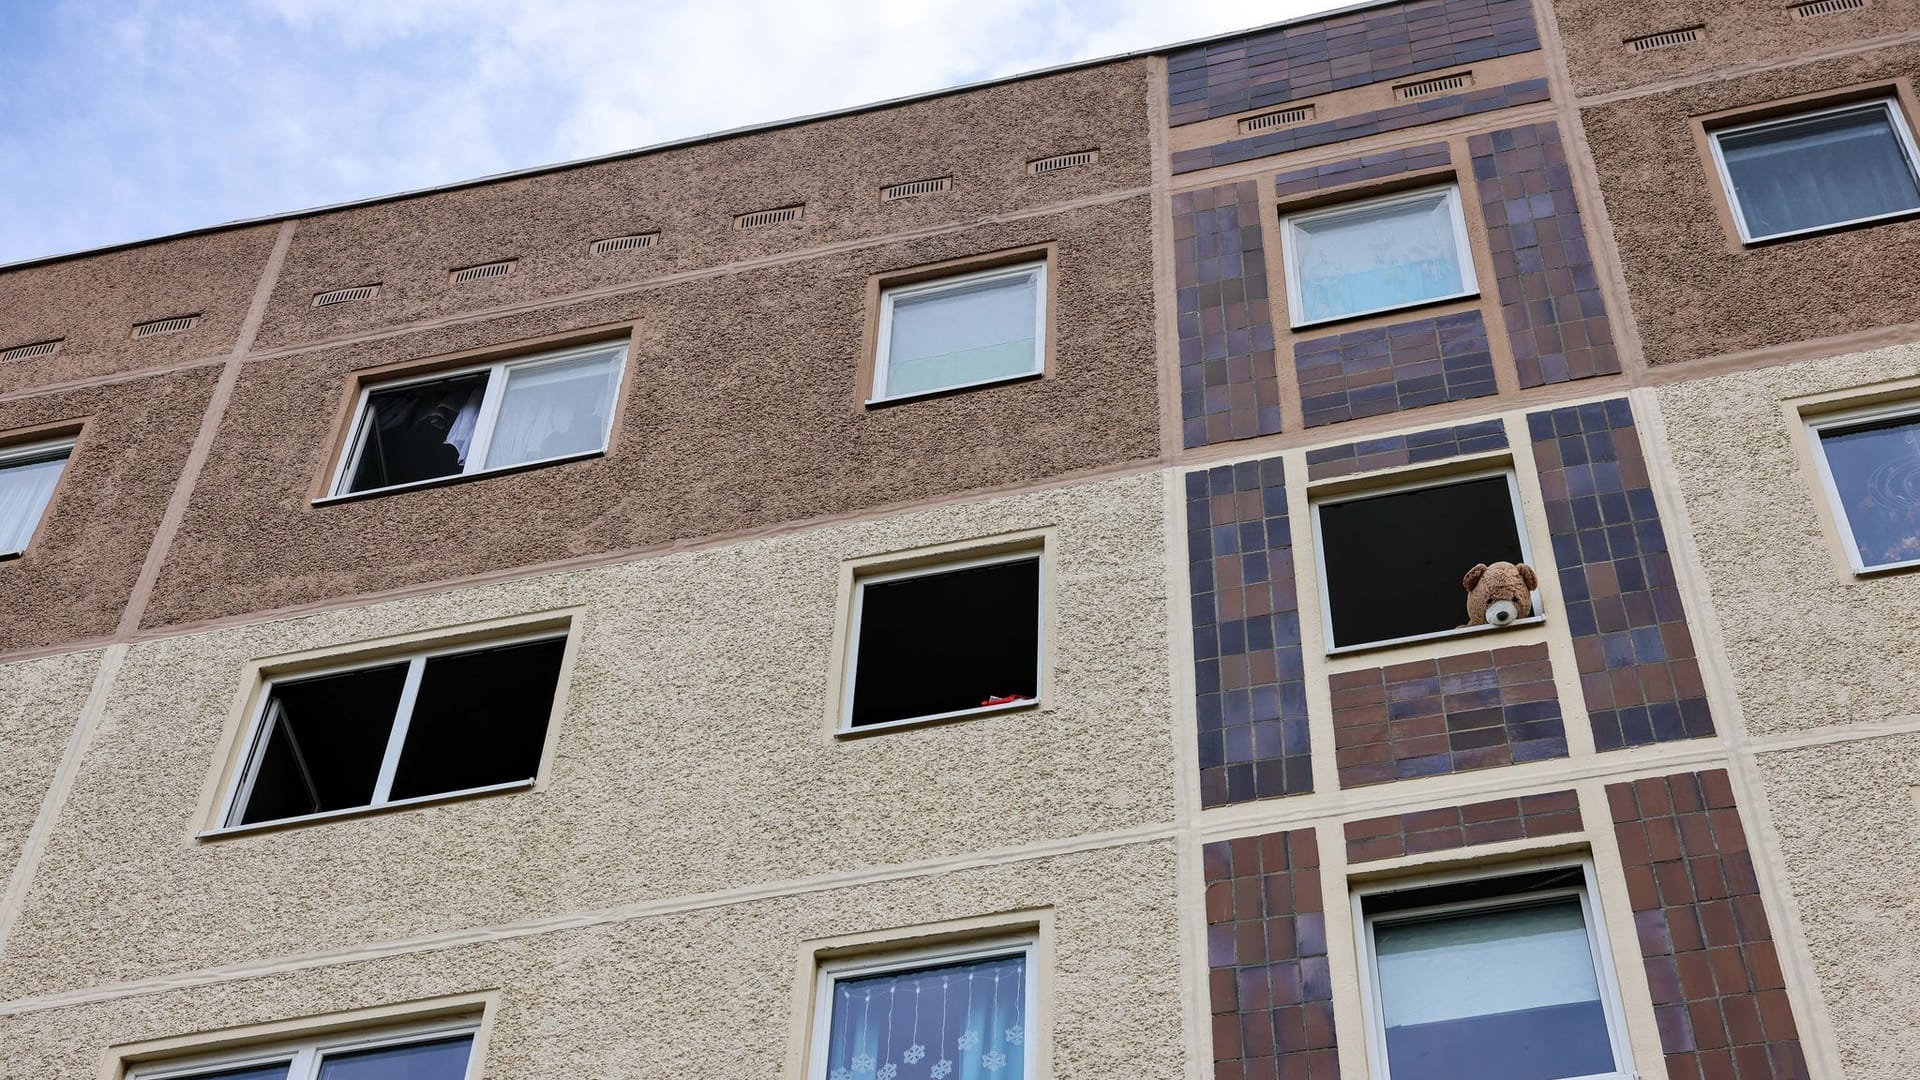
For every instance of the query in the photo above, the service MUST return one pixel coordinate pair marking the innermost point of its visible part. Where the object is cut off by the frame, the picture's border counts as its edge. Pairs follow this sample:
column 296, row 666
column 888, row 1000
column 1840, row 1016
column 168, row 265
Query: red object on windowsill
column 1004, row 699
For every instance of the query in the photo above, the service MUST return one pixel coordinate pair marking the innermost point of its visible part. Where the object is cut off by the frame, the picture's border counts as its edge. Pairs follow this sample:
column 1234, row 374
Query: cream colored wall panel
column 40, row 704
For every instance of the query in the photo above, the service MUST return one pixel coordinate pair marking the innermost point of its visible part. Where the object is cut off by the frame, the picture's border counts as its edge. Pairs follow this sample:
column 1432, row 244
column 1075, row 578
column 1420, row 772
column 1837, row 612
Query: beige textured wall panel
column 40, row 704
column 705, row 995
column 983, row 139
column 1847, row 824
column 693, row 756
column 1807, row 649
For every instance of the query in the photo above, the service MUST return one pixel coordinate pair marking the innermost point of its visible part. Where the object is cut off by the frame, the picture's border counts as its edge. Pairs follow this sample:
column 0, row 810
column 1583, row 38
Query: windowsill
column 921, row 395
column 226, row 831
column 1875, row 571
column 937, row 718
column 1535, row 619
column 1471, row 294
column 439, row 481
column 1817, row 230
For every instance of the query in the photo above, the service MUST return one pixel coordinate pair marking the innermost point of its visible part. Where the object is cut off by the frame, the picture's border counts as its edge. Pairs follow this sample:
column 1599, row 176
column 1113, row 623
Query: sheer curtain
column 552, row 410
column 24, row 491
column 963, row 335
column 943, row 1023
column 1369, row 260
column 1876, row 473
column 1819, row 171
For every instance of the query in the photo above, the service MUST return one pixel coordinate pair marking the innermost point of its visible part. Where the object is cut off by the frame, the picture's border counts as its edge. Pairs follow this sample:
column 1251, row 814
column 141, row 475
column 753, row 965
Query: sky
column 127, row 119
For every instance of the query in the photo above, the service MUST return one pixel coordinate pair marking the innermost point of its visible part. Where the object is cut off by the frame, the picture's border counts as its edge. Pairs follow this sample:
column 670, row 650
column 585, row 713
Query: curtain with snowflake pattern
column 963, row 1021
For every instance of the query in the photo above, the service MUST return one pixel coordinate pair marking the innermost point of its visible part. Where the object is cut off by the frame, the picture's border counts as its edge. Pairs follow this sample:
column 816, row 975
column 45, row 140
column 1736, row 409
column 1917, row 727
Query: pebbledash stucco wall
column 1846, row 817
column 700, row 696
column 705, row 993
column 40, row 702
column 1809, row 647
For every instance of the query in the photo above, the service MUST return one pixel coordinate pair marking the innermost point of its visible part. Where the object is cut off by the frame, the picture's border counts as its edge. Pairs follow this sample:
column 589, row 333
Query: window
column 27, row 478
column 422, row 1052
column 954, row 640
column 931, row 1017
column 1870, row 462
column 447, row 722
column 1377, row 255
column 1391, row 562
column 1511, row 974
column 961, row 331
column 519, row 412
column 1837, row 166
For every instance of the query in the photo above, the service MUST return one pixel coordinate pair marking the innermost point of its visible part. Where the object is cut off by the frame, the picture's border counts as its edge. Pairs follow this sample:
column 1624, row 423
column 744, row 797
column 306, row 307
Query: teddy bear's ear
column 1527, row 575
column 1473, row 576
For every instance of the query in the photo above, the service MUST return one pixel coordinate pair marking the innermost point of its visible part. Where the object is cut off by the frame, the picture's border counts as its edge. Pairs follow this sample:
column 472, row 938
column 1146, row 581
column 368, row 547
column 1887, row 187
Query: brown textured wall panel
column 740, row 412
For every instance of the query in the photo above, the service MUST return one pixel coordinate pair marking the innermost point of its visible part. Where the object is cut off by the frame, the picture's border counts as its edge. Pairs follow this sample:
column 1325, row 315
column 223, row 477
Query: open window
column 436, row 1051
column 447, row 722
column 945, row 641
column 525, row 411
column 1511, row 973
column 28, row 474
column 1377, row 255
column 1392, row 562
column 1870, row 466
column 932, row 1015
column 960, row 331
column 1819, row 170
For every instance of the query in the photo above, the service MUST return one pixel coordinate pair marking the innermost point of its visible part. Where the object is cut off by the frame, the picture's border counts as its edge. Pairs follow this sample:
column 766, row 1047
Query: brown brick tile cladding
column 1411, row 114
column 1550, row 814
column 1287, row 63
column 1354, row 170
column 1473, row 711
column 1717, row 993
column 1638, row 671
column 1549, row 290
column 1248, row 672
column 1229, row 388
column 1271, row 994
column 1385, row 369
column 1393, row 451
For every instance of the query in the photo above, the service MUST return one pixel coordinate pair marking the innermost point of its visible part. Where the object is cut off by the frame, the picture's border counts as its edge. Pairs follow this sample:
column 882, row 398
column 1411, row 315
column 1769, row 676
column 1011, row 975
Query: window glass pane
column 1394, row 562
column 1512, row 991
column 552, row 410
column 965, row 334
column 25, row 488
column 323, row 743
column 251, row 1072
column 480, row 719
column 417, row 432
column 1375, row 258
column 944, row 642
column 442, row 1059
column 1822, row 170
column 940, row 1023
column 1876, row 474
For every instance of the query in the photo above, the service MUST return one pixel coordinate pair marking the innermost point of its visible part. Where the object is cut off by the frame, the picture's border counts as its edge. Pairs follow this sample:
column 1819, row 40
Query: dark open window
column 1394, row 562
column 429, row 725
column 946, row 641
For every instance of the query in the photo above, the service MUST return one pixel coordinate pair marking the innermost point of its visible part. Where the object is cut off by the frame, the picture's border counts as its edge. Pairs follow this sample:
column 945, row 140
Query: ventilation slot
column 1826, row 7
column 1299, row 114
column 1063, row 161
column 1669, row 39
column 760, row 219
column 482, row 273
column 917, row 187
column 28, row 352
column 615, row 244
column 1414, row 91
column 345, row 296
column 164, row 326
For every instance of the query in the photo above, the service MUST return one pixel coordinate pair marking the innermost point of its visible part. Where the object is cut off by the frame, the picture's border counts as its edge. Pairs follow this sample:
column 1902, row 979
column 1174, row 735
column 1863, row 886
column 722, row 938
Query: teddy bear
column 1499, row 594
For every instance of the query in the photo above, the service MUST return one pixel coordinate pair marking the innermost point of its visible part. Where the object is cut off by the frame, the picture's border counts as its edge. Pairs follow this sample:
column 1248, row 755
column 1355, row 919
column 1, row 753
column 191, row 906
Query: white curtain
column 963, row 335
column 1369, row 260
column 553, row 410
column 1819, row 171
column 1484, row 964
column 24, row 491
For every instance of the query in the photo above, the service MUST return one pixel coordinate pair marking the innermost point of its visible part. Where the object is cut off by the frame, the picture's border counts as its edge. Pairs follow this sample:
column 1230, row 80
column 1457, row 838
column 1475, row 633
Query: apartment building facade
column 977, row 586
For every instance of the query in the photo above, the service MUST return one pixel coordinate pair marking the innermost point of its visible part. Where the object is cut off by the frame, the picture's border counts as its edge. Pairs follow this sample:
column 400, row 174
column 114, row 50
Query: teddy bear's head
column 1500, row 593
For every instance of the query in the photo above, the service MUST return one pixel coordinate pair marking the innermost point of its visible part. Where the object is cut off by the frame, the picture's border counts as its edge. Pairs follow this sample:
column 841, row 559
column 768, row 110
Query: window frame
column 498, row 372
column 1815, row 427
column 1373, row 1012
column 1036, row 268
column 310, row 1052
column 238, row 789
column 1903, row 139
column 829, row 972
column 31, row 453
column 1290, row 251
column 843, row 720
column 1505, row 469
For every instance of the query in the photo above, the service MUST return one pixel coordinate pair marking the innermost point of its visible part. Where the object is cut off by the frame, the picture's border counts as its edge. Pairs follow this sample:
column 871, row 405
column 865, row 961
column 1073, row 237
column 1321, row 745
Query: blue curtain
column 954, row 1022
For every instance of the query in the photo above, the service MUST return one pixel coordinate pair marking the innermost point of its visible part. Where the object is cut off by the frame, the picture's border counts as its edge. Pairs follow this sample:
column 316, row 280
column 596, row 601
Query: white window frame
column 831, row 972
column 1290, row 249
column 860, row 583
column 30, row 454
column 1036, row 269
column 304, row 1057
column 490, row 401
column 240, row 788
column 1816, row 427
column 1320, row 562
column 1903, row 137
column 1603, row 969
